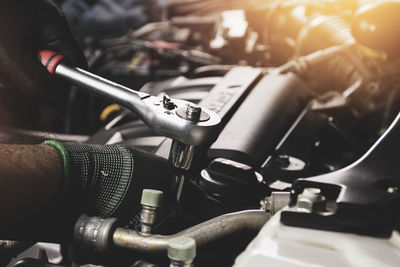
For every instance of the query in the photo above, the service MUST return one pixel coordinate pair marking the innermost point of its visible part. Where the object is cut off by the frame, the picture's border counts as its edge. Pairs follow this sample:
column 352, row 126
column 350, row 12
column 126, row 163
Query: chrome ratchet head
column 181, row 120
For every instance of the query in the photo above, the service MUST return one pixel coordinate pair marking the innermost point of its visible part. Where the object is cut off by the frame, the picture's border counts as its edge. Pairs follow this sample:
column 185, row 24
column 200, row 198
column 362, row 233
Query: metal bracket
column 363, row 198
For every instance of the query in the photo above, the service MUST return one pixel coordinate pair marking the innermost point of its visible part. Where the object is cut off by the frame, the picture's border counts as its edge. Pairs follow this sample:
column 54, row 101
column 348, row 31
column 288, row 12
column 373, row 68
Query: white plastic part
column 280, row 246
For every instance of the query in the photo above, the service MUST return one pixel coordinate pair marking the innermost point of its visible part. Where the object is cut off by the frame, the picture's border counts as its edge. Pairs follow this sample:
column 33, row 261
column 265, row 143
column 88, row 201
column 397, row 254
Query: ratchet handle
column 50, row 60
column 177, row 121
column 57, row 64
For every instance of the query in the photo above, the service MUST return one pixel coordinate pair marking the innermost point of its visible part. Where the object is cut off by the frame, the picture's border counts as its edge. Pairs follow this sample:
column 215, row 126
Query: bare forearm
column 30, row 176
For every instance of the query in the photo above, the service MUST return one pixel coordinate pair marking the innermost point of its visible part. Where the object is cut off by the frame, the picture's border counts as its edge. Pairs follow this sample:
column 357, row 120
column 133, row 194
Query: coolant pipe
column 202, row 233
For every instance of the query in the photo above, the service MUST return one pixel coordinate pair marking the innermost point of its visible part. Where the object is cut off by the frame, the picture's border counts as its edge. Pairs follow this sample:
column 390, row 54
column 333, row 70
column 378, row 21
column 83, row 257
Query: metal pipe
column 202, row 233
column 301, row 64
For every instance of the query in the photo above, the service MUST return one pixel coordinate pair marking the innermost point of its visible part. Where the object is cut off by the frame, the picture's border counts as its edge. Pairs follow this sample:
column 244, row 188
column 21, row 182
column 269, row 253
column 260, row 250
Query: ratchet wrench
column 177, row 119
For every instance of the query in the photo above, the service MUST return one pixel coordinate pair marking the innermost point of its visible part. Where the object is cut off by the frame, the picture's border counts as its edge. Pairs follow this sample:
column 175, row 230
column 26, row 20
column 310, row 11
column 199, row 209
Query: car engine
column 273, row 115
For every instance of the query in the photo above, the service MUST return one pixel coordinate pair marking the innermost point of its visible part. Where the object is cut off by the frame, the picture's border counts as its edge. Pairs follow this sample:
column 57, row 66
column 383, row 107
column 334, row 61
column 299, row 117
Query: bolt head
column 288, row 163
column 193, row 112
column 310, row 200
column 268, row 203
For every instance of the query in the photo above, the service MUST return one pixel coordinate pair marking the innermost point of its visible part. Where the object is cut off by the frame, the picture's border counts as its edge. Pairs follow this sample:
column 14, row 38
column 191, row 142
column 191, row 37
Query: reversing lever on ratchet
column 177, row 119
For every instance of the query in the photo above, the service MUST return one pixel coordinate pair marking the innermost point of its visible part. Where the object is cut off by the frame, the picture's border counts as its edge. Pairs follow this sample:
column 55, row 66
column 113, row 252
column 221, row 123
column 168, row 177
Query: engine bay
column 258, row 106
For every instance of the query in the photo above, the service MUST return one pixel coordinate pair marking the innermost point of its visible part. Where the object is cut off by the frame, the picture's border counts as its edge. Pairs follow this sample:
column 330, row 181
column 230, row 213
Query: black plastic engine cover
column 262, row 119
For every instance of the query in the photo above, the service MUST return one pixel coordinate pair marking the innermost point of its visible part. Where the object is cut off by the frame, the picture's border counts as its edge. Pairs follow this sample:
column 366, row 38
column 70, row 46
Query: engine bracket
column 363, row 198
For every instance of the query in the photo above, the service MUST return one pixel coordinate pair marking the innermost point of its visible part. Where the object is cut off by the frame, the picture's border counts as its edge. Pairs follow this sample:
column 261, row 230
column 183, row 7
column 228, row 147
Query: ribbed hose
column 322, row 32
column 329, row 45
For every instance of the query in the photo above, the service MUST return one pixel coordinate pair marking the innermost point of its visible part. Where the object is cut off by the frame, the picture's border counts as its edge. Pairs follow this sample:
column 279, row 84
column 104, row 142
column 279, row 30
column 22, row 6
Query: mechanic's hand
column 108, row 180
column 27, row 26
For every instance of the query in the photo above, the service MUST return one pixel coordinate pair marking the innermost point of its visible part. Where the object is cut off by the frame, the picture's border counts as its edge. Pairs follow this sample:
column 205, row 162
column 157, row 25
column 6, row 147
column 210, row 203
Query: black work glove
column 107, row 181
column 26, row 27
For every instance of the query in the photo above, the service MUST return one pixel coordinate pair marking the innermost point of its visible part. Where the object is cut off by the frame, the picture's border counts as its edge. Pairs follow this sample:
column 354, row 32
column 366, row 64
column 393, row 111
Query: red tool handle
column 50, row 59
